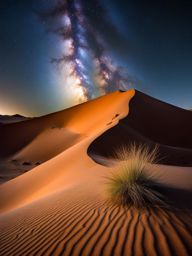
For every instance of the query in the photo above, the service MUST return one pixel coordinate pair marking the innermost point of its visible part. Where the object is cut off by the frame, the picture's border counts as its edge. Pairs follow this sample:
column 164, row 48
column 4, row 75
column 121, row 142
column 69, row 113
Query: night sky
column 53, row 56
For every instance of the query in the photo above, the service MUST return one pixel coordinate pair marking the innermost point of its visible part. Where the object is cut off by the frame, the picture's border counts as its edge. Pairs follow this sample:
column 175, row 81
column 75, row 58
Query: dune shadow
column 150, row 122
column 176, row 198
column 15, row 136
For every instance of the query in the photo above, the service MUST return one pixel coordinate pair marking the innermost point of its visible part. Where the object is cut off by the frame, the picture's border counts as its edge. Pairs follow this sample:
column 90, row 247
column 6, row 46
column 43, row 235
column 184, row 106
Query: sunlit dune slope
column 52, row 131
column 89, row 120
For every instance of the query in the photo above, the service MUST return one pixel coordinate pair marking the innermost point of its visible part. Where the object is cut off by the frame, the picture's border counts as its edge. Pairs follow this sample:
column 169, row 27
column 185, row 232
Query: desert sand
column 59, row 205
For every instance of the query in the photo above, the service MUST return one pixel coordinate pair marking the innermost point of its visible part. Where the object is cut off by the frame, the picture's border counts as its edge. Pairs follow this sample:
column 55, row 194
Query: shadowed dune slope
column 151, row 121
column 160, row 121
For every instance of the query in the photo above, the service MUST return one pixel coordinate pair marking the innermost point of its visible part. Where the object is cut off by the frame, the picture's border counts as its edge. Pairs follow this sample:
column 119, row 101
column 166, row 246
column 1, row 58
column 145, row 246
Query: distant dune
column 5, row 119
column 57, row 203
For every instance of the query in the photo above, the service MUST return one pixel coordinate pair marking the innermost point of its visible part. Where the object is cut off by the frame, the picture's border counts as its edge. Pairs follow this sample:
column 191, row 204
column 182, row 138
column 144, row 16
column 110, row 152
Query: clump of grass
column 130, row 184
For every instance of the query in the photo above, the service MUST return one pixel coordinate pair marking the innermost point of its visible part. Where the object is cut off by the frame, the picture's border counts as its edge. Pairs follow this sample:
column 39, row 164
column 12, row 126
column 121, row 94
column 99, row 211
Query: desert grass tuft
column 130, row 184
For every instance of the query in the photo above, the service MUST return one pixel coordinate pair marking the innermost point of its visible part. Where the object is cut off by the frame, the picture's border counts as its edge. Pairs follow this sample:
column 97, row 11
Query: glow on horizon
column 13, row 110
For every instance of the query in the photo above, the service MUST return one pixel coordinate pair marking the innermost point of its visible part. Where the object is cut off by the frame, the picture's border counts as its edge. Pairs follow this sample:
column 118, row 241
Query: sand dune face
column 39, row 139
column 60, row 207
column 50, row 176
column 17, row 136
column 170, row 126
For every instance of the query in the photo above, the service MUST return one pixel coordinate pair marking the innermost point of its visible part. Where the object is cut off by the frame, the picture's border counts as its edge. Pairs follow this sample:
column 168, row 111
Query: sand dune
column 60, row 207
column 15, row 137
column 164, row 123
column 39, row 139
column 150, row 122
column 51, row 175
column 6, row 119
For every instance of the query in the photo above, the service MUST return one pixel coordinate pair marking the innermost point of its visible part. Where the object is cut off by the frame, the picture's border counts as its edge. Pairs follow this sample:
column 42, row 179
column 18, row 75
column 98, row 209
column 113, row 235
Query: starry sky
column 57, row 53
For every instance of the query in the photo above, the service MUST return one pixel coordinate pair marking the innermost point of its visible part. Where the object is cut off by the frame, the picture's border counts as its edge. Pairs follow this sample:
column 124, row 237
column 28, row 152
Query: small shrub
column 130, row 185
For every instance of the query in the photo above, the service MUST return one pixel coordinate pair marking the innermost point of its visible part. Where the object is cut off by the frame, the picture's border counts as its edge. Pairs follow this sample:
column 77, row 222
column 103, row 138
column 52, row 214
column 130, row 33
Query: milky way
column 89, row 68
